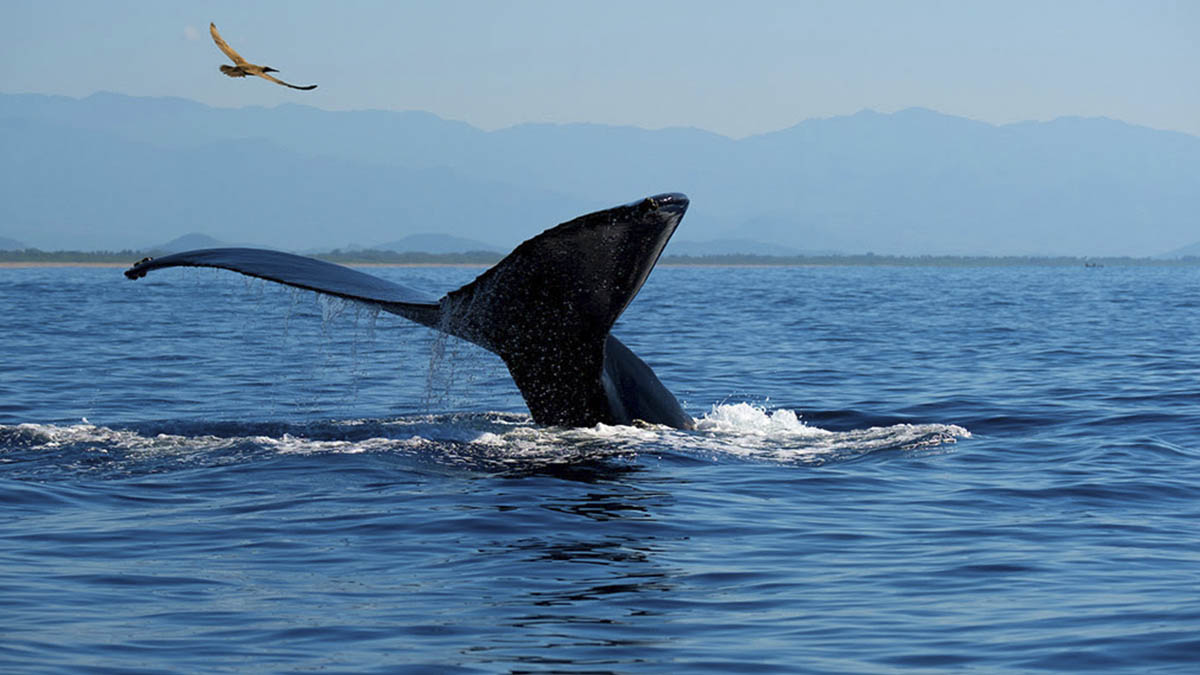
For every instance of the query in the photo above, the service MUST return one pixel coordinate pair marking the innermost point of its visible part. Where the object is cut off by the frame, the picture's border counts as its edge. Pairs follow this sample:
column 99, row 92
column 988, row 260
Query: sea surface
column 895, row 470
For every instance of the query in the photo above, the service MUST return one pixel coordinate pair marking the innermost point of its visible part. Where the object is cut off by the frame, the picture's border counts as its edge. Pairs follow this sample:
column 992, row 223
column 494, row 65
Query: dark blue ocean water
column 897, row 470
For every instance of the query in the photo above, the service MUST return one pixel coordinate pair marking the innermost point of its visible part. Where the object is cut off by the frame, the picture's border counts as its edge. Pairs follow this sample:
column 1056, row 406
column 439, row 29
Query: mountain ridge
column 912, row 182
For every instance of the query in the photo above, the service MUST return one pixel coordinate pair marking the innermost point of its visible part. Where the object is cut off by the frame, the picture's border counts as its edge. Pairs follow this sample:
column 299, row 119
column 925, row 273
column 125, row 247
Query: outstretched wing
column 237, row 58
column 279, row 81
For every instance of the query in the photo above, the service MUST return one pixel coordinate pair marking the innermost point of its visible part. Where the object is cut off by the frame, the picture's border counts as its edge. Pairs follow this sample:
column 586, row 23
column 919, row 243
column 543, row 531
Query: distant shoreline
column 13, row 261
column 13, row 264
column 17, row 264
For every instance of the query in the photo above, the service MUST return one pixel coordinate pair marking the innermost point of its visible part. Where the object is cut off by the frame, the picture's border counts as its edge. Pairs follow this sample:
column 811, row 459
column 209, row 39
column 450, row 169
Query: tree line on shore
column 380, row 257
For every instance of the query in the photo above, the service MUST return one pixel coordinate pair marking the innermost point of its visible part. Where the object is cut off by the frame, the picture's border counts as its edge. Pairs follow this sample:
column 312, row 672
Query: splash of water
column 488, row 441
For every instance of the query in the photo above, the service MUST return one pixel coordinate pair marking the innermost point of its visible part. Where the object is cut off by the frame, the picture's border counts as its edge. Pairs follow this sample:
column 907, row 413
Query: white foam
column 729, row 431
column 747, row 419
column 51, row 437
column 753, row 432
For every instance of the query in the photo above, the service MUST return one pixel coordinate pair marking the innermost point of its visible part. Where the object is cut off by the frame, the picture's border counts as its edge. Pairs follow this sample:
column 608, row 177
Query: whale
column 546, row 309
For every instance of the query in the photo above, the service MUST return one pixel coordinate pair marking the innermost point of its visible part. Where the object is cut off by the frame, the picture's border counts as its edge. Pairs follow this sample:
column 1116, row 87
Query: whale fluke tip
column 137, row 271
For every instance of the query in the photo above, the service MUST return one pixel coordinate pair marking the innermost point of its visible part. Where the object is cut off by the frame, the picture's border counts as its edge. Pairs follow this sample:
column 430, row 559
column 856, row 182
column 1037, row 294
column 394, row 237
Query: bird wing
column 237, row 58
column 279, row 81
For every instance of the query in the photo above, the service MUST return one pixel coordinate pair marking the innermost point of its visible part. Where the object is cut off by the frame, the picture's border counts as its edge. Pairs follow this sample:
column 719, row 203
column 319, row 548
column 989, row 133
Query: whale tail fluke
column 546, row 309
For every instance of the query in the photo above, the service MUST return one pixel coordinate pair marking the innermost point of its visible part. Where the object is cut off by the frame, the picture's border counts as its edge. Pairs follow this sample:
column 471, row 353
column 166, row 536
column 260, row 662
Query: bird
column 243, row 67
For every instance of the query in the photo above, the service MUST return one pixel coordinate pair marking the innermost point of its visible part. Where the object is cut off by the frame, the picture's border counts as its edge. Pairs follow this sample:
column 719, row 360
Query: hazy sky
column 736, row 68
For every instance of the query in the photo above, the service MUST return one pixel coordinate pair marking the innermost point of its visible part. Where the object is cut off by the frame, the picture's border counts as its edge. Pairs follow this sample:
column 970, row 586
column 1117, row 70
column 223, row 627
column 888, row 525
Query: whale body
column 546, row 309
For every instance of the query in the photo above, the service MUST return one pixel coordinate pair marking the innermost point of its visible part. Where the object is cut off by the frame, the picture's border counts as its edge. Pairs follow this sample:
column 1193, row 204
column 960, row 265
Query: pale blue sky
column 736, row 68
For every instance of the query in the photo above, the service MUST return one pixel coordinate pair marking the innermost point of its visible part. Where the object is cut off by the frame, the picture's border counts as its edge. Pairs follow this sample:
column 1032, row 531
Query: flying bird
column 243, row 67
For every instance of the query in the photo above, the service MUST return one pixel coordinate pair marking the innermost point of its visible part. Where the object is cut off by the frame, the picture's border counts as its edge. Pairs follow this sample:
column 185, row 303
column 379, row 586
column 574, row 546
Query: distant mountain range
column 734, row 247
column 110, row 171
column 437, row 243
column 7, row 244
column 418, row 243
column 187, row 242
column 1190, row 251
column 444, row 243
